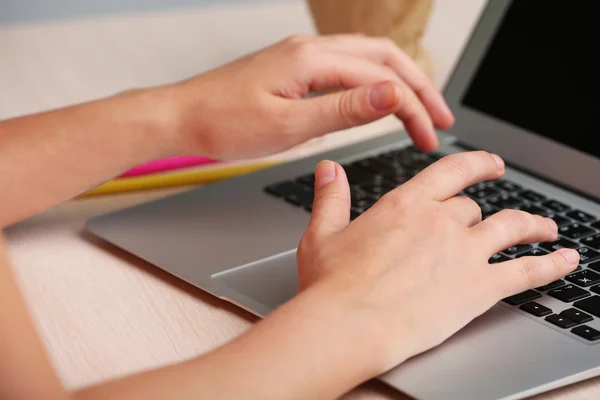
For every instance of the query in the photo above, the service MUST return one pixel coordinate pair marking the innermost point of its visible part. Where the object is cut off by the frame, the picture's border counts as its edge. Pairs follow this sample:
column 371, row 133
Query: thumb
column 331, row 207
column 348, row 108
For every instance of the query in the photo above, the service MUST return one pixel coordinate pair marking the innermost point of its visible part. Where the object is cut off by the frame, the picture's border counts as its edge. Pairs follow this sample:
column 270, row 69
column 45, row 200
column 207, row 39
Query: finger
column 525, row 273
column 507, row 228
column 466, row 210
column 386, row 52
column 350, row 108
column 334, row 71
column 451, row 174
column 331, row 207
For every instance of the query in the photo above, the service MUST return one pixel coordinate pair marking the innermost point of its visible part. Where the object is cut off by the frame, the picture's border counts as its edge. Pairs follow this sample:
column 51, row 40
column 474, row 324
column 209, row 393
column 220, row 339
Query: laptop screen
column 540, row 72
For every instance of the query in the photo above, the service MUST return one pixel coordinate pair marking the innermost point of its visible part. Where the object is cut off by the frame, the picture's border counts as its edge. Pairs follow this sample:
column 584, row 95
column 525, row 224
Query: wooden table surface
column 101, row 312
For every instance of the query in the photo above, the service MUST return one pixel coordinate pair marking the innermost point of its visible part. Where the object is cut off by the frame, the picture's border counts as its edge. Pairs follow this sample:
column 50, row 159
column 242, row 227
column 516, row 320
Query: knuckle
column 297, row 39
column 556, row 263
column 303, row 51
column 308, row 245
column 516, row 218
column 472, row 204
column 529, row 270
column 395, row 201
column 388, row 43
column 456, row 163
column 347, row 109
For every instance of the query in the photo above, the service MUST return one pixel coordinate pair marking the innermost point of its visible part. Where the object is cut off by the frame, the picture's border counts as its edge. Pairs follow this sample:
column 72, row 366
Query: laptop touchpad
column 270, row 282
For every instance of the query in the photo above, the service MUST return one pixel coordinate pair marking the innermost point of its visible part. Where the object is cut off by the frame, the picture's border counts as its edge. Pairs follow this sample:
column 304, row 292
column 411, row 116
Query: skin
column 359, row 281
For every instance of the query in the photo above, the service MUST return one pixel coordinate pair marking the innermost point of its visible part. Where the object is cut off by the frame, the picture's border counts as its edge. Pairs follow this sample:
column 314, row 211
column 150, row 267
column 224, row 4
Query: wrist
column 380, row 343
column 152, row 117
column 353, row 328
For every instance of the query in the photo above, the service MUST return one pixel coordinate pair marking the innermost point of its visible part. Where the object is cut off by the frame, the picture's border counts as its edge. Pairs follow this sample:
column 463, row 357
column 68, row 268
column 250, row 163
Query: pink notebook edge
column 167, row 164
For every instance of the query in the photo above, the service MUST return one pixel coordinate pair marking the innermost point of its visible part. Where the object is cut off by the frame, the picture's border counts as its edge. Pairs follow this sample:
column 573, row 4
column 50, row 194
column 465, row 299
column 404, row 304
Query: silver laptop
column 522, row 88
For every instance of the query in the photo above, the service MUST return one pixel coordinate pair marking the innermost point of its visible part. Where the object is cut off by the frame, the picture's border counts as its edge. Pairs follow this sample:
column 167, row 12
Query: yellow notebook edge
column 178, row 178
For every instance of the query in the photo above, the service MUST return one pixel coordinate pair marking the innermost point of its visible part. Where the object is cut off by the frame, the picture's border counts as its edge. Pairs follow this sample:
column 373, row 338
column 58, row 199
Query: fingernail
column 499, row 161
column 572, row 256
column 325, row 173
column 383, row 96
column 552, row 225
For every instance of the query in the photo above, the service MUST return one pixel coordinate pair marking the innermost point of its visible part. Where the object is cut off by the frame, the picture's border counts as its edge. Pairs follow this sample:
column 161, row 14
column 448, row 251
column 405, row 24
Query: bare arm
column 50, row 157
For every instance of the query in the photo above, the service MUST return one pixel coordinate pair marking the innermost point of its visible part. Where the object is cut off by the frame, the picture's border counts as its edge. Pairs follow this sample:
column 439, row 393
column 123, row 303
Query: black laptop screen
column 541, row 72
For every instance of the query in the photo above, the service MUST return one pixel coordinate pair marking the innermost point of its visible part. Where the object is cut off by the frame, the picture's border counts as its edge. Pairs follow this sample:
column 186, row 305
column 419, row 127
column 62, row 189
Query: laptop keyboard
column 370, row 178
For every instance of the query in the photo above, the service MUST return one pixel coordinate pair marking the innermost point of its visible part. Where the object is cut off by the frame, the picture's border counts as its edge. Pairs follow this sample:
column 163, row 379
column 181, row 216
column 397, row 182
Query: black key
column 517, row 249
column 533, row 252
column 596, row 225
column 532, row 196
column 559, row 219
column 590, row 305
column 362, row 203
column 592, row 241
column 507, row 185
column 560, row 321
column 281, row 189
column 587, row 255
column 556, row 205
column 523, row 297
column 354, row 213
column 377, row 188
column 471, row 190
column 531, row 209
column 536, row 309
column 498, row 258
column 436, row 156
column 504, row 201
column 397, row 177
column 559, row 244
column 357, row 193
column 596, row 289
column 292, row 193
column 581, row 216
column 357, row 175
column 410, row 157
column 568, row 293
column 307, row 180
column 301, row 199
column 586, row 332
column 487, row 210
column 551, row 285
column 584, row 278
column 372, row 164
column 576, row 316
column 575, row 231
column 595, row 266
column 483, row 193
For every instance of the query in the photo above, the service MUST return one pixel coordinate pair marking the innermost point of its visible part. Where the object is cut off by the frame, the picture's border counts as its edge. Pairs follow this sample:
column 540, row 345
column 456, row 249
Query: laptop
column 524, row 88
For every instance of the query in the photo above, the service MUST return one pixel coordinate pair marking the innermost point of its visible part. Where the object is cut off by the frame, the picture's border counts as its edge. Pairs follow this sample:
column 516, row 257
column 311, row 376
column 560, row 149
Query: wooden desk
column 101, row 312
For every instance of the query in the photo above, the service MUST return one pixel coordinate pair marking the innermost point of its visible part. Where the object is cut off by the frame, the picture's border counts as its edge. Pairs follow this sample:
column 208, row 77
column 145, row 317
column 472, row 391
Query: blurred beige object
column 404, row 21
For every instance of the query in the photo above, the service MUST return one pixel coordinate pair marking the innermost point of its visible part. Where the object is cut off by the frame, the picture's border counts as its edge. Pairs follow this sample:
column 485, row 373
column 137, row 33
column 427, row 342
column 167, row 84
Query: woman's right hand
column 414, row 269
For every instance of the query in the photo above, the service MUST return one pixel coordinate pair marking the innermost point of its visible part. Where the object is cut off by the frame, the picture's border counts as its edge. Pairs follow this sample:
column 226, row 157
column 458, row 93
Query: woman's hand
column 414, row 268
column 258, row 105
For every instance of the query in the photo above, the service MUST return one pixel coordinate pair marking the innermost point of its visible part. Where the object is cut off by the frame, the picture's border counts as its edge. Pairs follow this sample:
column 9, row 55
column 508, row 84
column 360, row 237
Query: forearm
column 53, row 156
column 308, row 349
